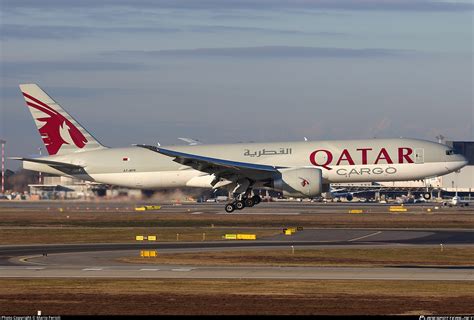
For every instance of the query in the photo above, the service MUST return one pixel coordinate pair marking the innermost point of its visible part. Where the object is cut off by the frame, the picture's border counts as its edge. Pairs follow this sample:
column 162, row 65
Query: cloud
column 267, row 52
column 77, row 92
column 223, row 28
column 33, row 68
column 385, row 5
column 64, row 32
column 17, row 31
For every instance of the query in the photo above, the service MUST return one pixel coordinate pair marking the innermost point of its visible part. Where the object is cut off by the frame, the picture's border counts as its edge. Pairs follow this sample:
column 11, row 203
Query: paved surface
column 99, row 260
column 192, row 272
column 307, row 237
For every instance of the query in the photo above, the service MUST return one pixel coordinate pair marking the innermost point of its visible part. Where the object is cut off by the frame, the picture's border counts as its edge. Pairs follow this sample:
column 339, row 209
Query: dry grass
column 372, row 257
column 118, row 235
column 97, row 296
column 254, row 287
column 100, row 219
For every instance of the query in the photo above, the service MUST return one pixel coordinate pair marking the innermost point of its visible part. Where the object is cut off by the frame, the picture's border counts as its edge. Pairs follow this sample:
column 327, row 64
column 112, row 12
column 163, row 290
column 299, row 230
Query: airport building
column 59, row 187
column 463, row 180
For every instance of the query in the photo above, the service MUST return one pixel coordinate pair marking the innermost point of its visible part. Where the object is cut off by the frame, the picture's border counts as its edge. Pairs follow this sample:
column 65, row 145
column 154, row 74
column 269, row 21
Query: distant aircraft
column 191, row 142
column 343, row 193
column 456, row 201
column 297, row 169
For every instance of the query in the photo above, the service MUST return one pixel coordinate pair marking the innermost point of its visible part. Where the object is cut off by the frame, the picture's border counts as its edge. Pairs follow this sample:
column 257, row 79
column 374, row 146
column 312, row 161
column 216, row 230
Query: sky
column 143, row 71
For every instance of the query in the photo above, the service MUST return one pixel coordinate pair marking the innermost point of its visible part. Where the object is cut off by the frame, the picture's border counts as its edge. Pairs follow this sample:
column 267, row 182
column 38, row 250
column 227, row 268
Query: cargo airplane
column 297, row 169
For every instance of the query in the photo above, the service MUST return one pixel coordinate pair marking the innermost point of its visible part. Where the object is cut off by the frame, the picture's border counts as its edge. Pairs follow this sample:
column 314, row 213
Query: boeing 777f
column 298, row 169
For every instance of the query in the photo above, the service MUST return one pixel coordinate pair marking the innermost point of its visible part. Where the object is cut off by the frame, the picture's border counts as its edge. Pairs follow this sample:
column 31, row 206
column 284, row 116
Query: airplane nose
column 462, row 162
column 456, row 163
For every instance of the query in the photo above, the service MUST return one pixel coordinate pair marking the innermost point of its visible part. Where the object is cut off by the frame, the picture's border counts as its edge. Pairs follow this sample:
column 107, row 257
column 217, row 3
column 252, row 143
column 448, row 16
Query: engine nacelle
column 299, row 182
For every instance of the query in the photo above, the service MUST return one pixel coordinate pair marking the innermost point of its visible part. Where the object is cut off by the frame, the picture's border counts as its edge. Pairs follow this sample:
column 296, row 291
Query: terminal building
column 60, row 187
column 463, row 180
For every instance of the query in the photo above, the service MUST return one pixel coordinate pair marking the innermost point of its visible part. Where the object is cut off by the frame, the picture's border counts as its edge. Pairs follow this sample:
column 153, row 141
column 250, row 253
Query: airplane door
column 419, row 155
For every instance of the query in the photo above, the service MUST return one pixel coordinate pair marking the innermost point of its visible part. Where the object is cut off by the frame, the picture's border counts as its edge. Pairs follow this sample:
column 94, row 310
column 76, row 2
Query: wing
column 231, row 170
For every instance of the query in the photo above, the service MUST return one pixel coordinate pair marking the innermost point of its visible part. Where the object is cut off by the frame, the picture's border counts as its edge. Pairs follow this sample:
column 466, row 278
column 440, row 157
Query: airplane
column 333, row 194
column 297, row 169
column 456, row 201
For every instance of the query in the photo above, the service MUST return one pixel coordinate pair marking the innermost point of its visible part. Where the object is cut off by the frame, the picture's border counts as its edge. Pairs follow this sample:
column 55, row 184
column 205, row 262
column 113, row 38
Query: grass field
column 371, row 257
column 214, row 297
column 99, row 219
column 48, row 235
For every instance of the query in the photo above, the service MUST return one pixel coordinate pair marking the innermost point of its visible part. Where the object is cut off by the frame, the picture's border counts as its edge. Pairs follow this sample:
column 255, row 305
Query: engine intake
column 299, row 182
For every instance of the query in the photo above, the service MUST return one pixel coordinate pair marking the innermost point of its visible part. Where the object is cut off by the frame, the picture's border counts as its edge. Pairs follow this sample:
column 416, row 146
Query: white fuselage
column 339, row 160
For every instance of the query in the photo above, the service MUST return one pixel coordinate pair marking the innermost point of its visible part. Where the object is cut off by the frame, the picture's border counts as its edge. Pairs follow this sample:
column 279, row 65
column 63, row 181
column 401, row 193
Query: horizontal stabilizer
column 55, row 164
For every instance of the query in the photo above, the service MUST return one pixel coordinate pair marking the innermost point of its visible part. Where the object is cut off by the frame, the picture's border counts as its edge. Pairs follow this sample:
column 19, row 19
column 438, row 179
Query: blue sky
column 142, row 71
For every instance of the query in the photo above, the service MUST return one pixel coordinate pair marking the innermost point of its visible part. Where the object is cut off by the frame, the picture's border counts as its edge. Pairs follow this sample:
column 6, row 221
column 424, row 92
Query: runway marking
column 26, row 260
column 366, row 236
column 261, row 213
column 149, row 269
column 182, row 269
column 92, row 269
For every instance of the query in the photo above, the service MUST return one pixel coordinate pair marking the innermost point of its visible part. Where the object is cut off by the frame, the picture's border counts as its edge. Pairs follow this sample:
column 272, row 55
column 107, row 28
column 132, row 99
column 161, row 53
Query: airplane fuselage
column 339, row 160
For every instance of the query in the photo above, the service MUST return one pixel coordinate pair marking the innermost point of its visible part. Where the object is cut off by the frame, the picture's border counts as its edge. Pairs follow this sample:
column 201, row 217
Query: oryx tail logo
column 304, row 182
column 57, row 130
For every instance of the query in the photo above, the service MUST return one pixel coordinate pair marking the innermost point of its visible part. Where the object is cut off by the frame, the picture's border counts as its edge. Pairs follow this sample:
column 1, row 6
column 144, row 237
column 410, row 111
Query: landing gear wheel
column 249, row 202
column 239, row 205
column 427, row 196
column 256, row 200
column 229, row 207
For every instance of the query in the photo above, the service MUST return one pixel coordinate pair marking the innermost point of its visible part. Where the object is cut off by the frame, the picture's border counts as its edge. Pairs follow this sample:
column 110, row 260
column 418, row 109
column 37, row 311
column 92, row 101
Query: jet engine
column 299, row 182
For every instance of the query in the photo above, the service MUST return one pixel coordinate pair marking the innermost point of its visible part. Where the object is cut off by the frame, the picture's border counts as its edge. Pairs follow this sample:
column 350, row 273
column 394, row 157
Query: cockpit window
column 451, row 152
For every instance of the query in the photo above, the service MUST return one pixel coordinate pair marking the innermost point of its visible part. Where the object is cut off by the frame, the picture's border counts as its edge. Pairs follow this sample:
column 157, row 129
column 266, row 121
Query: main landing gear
column 242, row 196
column 239, row 204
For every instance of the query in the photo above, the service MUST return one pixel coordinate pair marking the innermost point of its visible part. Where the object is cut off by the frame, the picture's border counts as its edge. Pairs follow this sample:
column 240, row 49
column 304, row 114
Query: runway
column 194, row 272
column 100, row 260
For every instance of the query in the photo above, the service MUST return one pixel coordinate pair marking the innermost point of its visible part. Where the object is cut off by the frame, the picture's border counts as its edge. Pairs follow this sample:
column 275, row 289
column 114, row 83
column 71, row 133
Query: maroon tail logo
column 57, row 130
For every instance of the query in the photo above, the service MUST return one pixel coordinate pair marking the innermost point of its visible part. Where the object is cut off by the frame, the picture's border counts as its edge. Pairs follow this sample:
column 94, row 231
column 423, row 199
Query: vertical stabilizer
column 61, row 134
